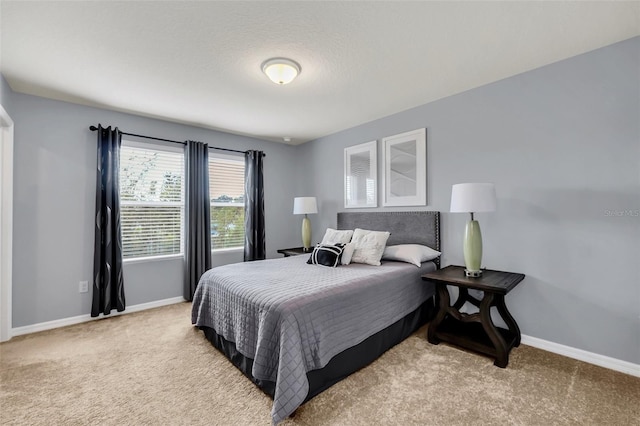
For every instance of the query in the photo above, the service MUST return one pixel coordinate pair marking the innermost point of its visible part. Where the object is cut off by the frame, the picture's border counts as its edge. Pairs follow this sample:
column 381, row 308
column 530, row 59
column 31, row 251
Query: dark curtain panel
column 254, row 240
column 108, row 287
column 197, row 253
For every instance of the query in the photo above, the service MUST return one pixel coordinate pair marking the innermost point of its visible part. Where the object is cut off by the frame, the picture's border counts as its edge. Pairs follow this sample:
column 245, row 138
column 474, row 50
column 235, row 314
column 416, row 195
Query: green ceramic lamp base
column 473, row 249
column 306, row 233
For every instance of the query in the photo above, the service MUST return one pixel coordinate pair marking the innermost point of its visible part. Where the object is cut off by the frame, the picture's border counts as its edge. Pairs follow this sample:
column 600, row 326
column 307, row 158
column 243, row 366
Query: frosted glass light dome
column 281, row 70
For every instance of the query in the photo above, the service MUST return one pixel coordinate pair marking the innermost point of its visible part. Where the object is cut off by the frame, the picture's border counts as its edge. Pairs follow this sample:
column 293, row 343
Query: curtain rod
column 94, row 128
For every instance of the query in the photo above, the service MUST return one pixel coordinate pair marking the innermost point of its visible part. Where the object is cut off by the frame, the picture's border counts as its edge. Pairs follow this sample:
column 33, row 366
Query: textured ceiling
column 199, row 62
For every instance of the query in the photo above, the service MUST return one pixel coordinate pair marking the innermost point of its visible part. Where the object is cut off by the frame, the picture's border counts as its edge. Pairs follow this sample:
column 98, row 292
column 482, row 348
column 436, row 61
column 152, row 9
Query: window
column 226, row 190
column 151, row 200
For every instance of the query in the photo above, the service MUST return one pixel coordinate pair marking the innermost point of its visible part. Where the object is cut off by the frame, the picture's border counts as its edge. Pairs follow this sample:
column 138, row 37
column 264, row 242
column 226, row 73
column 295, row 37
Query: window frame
column 166, row 147
column 239, row 159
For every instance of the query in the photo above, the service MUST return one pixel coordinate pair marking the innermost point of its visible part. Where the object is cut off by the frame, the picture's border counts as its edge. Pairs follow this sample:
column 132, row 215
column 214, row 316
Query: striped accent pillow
column 326, row 255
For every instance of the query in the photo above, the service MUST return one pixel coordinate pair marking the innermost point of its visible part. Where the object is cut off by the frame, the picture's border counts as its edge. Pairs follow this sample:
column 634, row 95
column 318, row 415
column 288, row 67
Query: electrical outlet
column 83, row 287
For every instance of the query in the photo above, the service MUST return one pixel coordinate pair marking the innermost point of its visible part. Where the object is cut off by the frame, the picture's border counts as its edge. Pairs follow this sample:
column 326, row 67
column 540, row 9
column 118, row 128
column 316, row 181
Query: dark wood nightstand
column 295, row 251
column 475, row 331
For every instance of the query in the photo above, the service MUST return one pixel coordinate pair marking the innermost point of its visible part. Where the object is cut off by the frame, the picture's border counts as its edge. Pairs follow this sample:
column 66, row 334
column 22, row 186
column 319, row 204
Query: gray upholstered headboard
column 419, row 227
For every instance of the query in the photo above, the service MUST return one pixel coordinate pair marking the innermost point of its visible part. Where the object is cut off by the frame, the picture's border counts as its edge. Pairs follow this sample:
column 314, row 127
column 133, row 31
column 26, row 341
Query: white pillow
column 410, row 253
column 347, row 253
column 333, row 236
column 369, row 246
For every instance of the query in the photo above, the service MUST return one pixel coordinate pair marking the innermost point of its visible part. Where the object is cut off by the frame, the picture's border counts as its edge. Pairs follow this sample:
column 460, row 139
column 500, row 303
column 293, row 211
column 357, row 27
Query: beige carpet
column 154, row 368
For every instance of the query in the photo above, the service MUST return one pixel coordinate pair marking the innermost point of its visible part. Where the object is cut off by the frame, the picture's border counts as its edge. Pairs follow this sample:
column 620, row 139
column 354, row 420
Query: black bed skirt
column 341, row 365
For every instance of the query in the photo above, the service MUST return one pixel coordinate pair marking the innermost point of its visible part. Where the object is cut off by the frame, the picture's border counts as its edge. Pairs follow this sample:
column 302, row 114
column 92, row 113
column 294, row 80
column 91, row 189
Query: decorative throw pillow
column 327, row 255
column 333, row 236
column 347, row 253
column 410, row 253
column 369, row 246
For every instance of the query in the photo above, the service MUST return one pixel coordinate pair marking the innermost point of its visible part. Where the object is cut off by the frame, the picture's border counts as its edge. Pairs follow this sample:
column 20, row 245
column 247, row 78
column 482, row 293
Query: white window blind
column 226, row 190
column 151, row 200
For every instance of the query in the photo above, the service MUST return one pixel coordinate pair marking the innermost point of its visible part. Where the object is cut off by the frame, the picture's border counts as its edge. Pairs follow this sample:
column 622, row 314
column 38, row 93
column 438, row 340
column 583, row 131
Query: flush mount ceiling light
column 281, row 70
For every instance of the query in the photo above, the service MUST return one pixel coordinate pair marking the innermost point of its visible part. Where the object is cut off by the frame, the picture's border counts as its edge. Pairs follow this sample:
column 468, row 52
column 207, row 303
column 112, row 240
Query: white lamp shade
column 281, row 70
column 473, row 197
column 305, row 205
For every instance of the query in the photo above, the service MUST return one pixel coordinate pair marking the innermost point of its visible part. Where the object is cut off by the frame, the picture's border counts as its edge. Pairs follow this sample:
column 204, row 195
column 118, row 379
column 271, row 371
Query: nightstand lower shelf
column 470, row 336
column 476, row 331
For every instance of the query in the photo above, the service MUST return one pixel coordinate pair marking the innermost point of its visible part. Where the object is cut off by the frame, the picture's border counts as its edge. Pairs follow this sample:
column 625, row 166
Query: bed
column 296, row 329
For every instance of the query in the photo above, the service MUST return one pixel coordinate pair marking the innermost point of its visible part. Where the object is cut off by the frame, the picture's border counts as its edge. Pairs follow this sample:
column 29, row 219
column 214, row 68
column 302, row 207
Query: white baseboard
column 581, row 355
column 42, row 326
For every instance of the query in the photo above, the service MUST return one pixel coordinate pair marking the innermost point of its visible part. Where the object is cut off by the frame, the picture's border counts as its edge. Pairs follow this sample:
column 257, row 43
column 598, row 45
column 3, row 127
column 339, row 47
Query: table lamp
column 473, row 198
column 305, row 206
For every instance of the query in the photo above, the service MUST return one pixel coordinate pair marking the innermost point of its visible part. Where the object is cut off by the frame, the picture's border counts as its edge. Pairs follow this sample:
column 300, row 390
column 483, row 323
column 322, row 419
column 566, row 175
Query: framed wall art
column 360, row 175
column 404, row 174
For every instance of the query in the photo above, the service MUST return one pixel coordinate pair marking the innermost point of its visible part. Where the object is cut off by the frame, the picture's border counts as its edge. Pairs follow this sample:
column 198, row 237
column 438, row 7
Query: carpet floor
column 154, row 368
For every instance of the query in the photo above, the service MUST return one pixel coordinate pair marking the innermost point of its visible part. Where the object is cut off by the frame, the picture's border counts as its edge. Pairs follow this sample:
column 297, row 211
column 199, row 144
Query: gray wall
column 54, row 190
column 562, row 145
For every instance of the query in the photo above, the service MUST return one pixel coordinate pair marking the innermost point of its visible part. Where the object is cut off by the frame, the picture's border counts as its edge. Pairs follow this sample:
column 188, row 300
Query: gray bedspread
column 291, row 317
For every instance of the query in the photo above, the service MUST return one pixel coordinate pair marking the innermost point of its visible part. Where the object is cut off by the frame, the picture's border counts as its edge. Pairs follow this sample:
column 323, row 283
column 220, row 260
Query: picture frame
column 361, row 175
column 404, row 174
